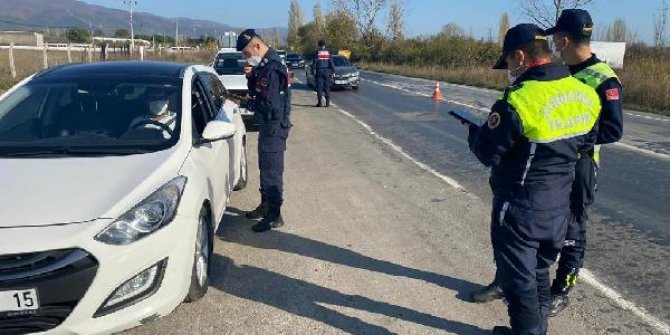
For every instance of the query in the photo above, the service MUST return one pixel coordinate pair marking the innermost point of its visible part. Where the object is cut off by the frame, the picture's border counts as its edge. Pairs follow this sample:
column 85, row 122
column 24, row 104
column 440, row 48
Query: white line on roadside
column 585, row 275
column 653, row 118
column 451, row 182
column 589, row 278
column 619, row 144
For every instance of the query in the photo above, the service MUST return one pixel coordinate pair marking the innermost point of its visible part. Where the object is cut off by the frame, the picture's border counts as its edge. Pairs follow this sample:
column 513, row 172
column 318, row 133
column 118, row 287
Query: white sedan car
column 114, row 178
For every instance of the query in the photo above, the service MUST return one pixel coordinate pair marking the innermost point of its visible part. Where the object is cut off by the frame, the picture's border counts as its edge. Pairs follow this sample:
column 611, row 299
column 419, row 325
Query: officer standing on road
column 531, row 141
column 572, row 37
column 322, row 70
column 270, row 101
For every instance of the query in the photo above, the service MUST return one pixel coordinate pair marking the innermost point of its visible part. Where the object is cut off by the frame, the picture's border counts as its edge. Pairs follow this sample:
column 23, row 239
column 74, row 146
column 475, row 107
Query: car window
column 101, row 113
column 229, row 64
column 200, row 111
column 341, row 61
column 214, row 91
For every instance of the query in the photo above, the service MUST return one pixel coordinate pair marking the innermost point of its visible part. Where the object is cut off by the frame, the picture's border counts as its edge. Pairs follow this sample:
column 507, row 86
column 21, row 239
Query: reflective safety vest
column 594, row 76
column 554, row 110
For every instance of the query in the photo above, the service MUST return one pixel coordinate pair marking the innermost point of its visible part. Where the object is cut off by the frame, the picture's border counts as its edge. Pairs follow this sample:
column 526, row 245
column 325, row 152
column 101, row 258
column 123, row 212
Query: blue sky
column 423, row 16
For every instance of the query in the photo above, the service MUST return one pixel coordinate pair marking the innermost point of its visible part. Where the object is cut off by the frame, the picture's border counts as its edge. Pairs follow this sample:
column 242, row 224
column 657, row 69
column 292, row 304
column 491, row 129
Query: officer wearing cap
column 572, row 37
column 268, row 82
column 531, row 141
column 322, row 70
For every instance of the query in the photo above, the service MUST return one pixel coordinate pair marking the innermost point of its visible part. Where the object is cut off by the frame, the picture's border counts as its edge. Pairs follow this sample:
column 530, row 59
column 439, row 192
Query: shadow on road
column 307, row 299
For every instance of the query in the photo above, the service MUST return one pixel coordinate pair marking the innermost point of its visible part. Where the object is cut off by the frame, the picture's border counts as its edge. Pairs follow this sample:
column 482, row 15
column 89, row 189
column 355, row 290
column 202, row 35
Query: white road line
column 653, row 118
column 588, row 277
column 619, row 144
column 451, row 182
column 585, row 275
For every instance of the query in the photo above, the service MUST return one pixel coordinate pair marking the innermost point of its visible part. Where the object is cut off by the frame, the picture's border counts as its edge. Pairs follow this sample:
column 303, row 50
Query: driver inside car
column 157, row 112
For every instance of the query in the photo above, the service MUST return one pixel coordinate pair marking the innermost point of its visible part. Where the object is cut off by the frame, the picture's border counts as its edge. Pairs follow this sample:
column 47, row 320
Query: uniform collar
column 583, row 65
column 546, row 72
column 270, row 55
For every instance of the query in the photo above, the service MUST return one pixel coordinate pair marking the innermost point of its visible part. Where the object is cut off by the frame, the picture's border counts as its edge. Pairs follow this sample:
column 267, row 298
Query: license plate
column 341, row 82
column 22, row 300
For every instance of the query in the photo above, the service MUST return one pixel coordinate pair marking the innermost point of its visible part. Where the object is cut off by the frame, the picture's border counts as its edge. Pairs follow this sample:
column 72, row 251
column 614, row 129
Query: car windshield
column 231, row 63
column 293, row 57
column 341, row 61
column 98, row 115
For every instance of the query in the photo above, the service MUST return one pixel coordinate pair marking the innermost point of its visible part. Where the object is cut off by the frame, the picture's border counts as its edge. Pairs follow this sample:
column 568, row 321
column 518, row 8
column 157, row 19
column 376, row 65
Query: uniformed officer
column 572, row 37
column 267, row 79
column 322, row 70
column 531, row 141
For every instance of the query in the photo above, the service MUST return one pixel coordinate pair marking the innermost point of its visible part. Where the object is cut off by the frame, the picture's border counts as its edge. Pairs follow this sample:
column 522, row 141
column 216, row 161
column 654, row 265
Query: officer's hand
column 248, row 69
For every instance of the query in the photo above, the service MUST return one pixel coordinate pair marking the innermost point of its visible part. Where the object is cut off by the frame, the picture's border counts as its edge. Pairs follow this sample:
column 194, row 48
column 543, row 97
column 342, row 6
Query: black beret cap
column 244, row 38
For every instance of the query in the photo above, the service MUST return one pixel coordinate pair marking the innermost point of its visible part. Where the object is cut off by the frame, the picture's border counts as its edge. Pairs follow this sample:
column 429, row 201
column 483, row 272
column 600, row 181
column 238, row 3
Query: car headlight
column 151, row 214
column 356, row 74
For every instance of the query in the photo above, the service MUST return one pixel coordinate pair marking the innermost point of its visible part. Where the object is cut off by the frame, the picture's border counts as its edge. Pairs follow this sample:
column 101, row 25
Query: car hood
column 344, row 70
column 234, row 82
column 49, row 191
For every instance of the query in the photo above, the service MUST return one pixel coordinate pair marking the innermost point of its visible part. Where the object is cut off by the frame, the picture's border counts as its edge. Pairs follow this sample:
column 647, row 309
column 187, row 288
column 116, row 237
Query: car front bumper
column 345, row 82
column 70, row 296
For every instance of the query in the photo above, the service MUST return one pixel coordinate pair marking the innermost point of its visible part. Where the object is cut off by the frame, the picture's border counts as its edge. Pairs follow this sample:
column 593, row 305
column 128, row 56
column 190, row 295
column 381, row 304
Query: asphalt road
column 376, row 242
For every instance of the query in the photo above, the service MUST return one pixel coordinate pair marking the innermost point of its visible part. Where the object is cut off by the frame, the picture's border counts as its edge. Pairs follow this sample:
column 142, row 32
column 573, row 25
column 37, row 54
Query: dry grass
column 646, row 79
column 28, row 62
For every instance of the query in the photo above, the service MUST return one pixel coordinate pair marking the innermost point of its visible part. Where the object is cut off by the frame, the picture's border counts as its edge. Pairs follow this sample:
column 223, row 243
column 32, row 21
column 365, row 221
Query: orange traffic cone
column 437, row 95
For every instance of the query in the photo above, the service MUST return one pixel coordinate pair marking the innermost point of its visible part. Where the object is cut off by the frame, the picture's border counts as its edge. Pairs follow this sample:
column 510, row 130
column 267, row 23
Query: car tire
column 244, row 169
column 355, row 87
column 202, row 258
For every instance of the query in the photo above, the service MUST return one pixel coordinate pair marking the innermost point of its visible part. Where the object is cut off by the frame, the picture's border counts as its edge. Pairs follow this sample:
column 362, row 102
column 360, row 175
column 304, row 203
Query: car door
column 226, row 112
column 212, row 158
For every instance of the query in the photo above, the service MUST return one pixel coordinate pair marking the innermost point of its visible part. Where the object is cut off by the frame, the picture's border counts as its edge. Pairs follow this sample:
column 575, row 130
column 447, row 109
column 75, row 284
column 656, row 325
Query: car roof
column 130, row 68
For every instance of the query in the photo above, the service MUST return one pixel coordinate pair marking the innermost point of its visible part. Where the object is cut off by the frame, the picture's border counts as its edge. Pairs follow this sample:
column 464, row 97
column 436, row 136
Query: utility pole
column 176, row 32
column 131, row 4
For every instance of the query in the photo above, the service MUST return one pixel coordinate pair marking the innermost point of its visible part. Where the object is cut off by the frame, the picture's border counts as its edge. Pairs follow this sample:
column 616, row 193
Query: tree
column 319, row 21
column 396, row 24
column 122, row 33
column 452, row 30
column 660, row 26
column 295, row 21
column 99, row 33
column 78, row 35
column 364, row 12
column 504, row 27
column 546, row 12
column 276, row 38
column 340, row 31
column 618, row 32
column 309, row 37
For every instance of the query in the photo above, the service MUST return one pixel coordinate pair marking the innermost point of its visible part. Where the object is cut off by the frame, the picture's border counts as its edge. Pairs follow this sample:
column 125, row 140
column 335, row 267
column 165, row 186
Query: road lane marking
column 451, row 182
column 588, row 277
column 618, row 144
column 585, row 275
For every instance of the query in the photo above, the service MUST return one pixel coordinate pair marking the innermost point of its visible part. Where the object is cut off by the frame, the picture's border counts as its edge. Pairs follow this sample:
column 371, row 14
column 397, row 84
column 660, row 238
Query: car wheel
column 355, row 87
column 202, row 258
column 244, row 171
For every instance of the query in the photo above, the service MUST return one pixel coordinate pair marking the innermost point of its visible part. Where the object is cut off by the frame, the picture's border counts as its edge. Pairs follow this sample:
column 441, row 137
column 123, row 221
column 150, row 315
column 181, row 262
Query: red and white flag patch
column 612, row 94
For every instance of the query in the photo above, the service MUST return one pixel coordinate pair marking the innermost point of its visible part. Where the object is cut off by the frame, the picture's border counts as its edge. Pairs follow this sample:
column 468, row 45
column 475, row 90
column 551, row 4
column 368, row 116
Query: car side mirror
column 216, row 131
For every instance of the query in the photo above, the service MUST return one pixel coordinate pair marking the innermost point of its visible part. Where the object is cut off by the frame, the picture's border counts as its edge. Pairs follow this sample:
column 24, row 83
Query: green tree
column 504, row 27
column 295, row 21
column 340, row 31
column 319, row 21
column 309, row 37
column 78, row 35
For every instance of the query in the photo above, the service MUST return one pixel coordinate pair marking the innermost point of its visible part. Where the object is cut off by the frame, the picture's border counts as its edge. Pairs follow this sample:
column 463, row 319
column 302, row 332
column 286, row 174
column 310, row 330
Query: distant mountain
column 42, row 14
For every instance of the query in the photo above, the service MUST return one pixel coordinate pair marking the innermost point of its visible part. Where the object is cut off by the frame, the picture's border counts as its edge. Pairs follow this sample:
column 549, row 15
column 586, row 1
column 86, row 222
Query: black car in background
column 295, row 61
column 346, row 74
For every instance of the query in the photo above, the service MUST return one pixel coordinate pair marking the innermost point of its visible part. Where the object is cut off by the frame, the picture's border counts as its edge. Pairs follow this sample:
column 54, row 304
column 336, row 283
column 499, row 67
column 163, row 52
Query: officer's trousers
column 271, row 147
column 581, row 198
column 322, row 86
column 526, row 243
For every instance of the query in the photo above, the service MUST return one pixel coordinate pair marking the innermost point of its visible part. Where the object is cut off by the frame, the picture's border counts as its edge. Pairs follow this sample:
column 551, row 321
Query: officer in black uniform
column 572, row 37
column 323, row 70
column 268, row 82
column 531, row 141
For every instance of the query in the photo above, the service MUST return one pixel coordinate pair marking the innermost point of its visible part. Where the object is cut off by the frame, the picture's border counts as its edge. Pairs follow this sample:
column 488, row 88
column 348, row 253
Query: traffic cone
column 437, row 95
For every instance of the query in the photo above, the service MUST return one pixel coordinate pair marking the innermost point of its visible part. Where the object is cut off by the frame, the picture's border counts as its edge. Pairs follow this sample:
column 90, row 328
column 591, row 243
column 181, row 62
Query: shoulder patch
column 494, row 120
column 612, row 94
column 264, row 82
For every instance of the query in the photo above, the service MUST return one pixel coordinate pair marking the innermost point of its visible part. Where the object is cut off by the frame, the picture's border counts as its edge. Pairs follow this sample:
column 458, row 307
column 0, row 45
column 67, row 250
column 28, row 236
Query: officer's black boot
column 487, row 294
column 259, row 212
column 560, row 290
column 501, row 330
column 559, row 302
column 318, row 104
column 327, row 102
column 272, row 220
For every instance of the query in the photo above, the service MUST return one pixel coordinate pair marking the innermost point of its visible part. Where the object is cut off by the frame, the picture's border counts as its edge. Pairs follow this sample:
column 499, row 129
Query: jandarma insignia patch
column 494, row 120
